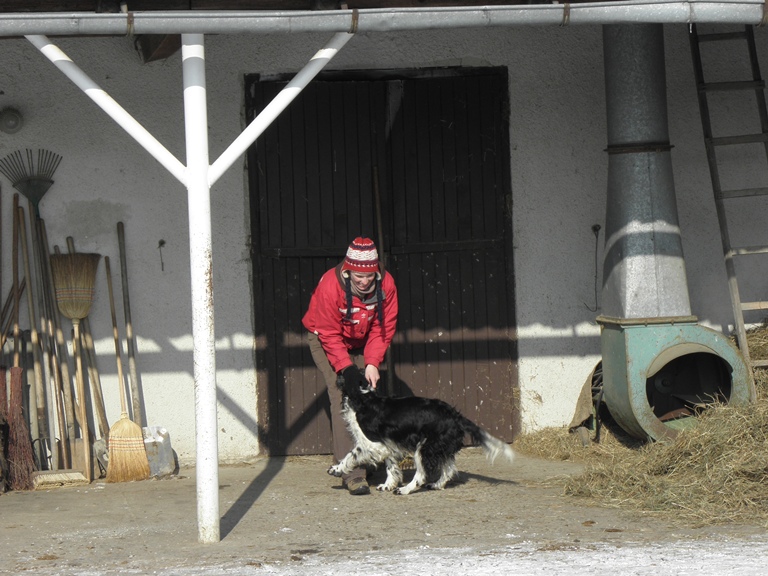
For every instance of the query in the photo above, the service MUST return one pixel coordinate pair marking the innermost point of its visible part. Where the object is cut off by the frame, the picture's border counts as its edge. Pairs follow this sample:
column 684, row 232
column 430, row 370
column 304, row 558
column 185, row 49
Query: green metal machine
column 659, row 373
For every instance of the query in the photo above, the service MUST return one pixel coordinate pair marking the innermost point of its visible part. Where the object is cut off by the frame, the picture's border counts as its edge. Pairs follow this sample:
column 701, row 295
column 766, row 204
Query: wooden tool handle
column 16, row 291
column 42, row 421
column 133, row 372
column 61, row 379
column 93, row 371
column 87, row 461
column 123, row 402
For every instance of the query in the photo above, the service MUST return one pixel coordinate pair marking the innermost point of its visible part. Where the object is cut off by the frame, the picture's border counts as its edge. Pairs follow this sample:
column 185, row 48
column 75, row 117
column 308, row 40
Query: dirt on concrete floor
column 281, row 513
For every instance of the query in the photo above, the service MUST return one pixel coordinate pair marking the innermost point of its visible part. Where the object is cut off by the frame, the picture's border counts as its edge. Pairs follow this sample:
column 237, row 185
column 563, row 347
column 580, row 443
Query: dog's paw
column 433, row 486
column 334, row 471
column 384, row 488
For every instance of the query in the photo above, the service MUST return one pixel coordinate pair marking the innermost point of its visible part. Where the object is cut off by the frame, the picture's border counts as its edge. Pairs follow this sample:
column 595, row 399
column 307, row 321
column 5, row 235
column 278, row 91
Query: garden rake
column 31, row 178
column 32, row 175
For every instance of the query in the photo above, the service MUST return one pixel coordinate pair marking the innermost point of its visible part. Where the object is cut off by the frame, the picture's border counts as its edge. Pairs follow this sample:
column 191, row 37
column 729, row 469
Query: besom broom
column 73, row 277
column 20, row 455
column 128, row 459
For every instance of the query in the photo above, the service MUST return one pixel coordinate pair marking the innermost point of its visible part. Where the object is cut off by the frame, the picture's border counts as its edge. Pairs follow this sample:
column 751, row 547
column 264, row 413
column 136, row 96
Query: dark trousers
column 341, row 438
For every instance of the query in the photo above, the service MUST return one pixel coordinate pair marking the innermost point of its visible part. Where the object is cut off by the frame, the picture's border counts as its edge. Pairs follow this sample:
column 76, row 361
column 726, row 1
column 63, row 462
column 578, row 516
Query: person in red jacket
column 352, row 317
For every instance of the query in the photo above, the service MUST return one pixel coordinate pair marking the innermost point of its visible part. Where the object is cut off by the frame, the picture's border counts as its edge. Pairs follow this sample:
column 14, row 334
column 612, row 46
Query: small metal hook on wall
column 160, row 249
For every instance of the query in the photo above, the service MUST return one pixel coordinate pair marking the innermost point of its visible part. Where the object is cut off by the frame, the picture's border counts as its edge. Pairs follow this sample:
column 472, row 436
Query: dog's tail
column 492, row 446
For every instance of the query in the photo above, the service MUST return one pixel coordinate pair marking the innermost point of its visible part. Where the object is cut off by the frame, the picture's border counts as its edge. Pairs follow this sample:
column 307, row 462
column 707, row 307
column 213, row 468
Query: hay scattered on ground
column 757, row 339
column 714, row 473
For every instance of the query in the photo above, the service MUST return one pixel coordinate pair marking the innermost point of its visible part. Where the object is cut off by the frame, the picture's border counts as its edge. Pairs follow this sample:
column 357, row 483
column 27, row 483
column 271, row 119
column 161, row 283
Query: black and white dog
column 389, row 429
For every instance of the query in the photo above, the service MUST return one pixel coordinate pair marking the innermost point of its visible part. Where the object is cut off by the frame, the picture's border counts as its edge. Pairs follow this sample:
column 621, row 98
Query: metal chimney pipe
column 644, row 271
column 658, row 363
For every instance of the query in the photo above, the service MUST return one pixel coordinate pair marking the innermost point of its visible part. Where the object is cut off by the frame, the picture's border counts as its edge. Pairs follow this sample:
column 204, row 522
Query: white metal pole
column 201, row 264
column 276, row 106
column 108, row 104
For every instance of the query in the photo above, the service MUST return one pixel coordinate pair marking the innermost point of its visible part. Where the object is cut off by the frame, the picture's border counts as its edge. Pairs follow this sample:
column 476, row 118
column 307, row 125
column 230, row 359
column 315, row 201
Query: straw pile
column 714, row 473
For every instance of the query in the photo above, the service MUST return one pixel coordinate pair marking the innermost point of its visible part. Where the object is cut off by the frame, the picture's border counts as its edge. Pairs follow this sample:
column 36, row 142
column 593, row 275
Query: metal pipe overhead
column 382, row 20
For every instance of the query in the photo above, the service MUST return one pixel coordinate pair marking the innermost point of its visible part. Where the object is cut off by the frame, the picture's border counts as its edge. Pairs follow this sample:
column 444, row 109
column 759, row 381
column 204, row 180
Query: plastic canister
column 157, row 441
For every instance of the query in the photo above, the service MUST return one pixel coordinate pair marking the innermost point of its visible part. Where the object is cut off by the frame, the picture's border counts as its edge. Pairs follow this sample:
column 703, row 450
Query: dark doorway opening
column 418, row 161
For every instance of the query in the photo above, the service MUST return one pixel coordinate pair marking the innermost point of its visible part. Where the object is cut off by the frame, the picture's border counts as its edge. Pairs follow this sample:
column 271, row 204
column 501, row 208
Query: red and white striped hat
column 361, row 256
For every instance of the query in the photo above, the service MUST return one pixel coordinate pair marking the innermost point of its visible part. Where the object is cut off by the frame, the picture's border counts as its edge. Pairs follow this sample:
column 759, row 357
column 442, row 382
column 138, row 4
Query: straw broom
column 4, row 431
column 127, row 453
column 20, row 457
column 21, row 460
column 3, row 397
column 73, row 277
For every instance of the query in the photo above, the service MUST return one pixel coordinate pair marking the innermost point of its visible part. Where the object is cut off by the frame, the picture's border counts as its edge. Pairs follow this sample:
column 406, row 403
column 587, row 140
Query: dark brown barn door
column 418, row 162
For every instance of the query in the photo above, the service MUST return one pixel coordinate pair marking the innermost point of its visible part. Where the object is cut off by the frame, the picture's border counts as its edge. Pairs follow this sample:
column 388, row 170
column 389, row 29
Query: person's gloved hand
column 353, row 377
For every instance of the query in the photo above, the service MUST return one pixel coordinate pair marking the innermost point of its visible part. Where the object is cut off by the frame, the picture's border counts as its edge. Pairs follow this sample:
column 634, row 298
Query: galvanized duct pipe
column 659, row 366
column 644, row 271
column 382, row 20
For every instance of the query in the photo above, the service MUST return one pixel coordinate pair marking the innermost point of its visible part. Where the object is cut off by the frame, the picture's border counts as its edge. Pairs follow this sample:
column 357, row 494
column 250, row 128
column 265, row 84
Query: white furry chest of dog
column 386, row 430
column 371, row 451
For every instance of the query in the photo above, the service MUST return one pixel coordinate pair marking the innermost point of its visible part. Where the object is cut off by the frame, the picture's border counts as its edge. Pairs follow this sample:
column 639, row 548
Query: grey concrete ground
column 287, row 516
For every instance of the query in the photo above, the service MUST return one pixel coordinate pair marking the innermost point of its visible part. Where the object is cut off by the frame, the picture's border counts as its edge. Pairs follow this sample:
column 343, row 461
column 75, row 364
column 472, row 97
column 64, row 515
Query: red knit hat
column 361, row 256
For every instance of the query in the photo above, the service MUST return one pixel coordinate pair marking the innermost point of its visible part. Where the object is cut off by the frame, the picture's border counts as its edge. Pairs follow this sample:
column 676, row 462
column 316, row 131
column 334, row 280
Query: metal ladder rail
column 711, row 143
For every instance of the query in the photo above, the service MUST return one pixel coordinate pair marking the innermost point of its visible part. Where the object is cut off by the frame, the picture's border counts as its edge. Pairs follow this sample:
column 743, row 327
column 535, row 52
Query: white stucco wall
column 558, row 165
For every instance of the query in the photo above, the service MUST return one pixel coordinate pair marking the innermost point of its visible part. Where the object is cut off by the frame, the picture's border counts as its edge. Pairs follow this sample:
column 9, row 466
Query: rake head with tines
column 31, row 178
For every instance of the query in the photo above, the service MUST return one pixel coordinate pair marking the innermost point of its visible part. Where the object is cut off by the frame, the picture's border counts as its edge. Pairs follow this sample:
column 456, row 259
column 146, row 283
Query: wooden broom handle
column 129, row 337
column 123, row 402
column 93, row 372
column 87, row 460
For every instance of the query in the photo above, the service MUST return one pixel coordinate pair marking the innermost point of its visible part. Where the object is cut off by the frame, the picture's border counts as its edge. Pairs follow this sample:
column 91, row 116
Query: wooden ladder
column 713, row 143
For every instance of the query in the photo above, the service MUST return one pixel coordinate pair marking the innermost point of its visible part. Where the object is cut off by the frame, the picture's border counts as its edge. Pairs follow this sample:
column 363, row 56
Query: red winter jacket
column 326, row 317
